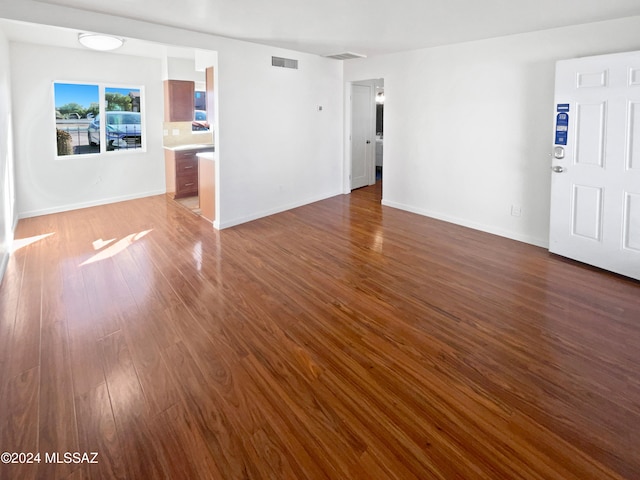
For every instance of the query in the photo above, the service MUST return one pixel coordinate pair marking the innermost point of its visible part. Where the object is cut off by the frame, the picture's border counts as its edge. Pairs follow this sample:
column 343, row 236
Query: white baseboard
column 6, row 254
column 4, row 261
column 273, row 211
column 93, row 203
column 544, row 243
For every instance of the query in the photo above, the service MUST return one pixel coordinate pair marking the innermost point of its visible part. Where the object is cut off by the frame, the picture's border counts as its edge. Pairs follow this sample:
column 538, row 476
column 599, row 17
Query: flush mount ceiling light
column 96, row 41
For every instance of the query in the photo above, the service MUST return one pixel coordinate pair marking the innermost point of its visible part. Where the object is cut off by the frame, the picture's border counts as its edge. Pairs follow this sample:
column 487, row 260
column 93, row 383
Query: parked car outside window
column 123, row 130
column 200, row 121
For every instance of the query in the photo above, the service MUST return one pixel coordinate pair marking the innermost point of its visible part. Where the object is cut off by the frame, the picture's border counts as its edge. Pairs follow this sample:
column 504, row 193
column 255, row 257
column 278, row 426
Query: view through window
column 200, row 123
column 79, row 126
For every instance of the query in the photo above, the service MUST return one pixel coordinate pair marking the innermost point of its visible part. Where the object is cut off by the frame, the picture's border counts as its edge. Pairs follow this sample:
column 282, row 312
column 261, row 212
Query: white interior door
column 595, row 188
column 362, row 135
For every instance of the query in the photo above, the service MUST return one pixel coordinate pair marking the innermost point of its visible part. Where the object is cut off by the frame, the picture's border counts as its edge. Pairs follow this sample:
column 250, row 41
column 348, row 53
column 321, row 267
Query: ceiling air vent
column 284, row 62
column 345, row 56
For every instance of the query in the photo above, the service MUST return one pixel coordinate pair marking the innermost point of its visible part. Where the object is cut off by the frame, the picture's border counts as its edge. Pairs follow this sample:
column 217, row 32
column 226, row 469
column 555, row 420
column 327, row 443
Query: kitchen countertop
column 191, row 146
column 205, row 156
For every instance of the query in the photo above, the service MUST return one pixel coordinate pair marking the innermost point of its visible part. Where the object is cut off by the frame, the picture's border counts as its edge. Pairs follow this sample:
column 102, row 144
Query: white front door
column 595, row 186
column 362, row 135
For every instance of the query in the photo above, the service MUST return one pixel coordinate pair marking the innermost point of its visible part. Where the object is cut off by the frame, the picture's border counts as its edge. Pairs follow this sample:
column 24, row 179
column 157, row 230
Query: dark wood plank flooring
column 340, row 340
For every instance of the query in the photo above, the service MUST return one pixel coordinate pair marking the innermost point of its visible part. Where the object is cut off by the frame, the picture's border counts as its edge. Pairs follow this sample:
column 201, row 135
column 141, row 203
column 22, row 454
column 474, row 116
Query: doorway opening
column 366, row 136
column 379, row 130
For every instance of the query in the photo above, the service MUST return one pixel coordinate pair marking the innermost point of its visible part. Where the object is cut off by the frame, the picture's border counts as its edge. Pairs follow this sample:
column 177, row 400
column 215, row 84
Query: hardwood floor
column 340, row 340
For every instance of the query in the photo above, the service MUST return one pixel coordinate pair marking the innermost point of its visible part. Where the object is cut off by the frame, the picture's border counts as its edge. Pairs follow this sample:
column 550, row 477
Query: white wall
column 47, row 184
column 275, row 150
column 468, row 127
column 7, row 200
column 182, row 69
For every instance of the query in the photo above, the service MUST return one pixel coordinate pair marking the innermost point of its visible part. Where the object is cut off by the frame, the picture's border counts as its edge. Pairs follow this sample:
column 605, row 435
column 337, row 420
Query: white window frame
column 102, row 87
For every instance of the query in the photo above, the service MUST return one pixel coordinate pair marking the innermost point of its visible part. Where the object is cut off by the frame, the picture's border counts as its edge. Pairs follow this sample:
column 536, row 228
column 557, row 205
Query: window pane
column 76, row 106
column 124, row 124
column 200, row 123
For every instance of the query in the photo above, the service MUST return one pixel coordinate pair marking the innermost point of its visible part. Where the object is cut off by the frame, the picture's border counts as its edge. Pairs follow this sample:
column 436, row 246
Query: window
column 200, row 123
column 80, row 110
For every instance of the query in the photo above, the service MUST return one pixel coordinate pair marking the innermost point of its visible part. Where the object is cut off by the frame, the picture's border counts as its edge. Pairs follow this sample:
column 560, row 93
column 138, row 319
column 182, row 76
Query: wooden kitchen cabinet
column 181, row 169
column 178, row 100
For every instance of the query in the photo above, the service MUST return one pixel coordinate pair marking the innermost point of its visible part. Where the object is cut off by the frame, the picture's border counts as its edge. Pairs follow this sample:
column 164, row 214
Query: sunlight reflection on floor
column 19, row 243
column 113, row 249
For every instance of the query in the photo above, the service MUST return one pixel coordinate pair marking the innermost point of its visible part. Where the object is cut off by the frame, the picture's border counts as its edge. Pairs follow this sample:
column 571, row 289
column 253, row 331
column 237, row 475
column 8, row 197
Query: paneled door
column 595, row 172
column 362, row 135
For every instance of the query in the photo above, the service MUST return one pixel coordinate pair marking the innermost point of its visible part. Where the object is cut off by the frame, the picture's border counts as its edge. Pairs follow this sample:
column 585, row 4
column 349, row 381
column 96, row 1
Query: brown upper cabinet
column 178, row 100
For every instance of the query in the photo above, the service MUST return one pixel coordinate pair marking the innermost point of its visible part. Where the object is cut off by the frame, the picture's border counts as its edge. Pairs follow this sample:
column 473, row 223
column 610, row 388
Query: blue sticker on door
column 562, row 128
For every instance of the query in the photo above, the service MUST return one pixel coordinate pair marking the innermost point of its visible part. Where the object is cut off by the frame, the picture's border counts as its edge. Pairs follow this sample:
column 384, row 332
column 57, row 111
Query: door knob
column 368, row 142
column 557, row 169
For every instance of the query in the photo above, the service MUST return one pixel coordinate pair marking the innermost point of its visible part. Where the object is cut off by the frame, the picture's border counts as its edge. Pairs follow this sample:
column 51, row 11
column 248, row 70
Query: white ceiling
column 68, row 38
column 369, row 27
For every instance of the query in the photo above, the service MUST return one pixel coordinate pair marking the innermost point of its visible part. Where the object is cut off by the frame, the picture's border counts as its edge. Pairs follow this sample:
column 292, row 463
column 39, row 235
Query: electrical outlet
column 516, row 210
